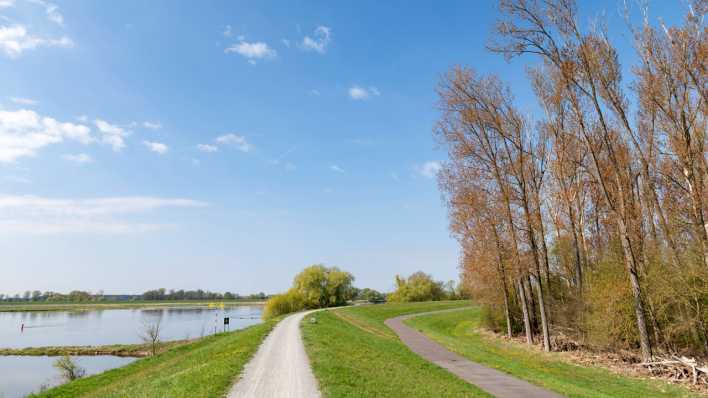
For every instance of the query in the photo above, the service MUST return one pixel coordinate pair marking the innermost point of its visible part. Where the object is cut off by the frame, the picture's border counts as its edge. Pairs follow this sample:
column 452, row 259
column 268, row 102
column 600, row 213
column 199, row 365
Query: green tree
column 417, row 287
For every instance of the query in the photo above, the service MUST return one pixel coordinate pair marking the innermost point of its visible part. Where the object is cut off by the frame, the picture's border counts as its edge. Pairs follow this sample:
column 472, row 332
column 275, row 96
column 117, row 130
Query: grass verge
column 458, row 331
column 353, row 354
column 205, row 368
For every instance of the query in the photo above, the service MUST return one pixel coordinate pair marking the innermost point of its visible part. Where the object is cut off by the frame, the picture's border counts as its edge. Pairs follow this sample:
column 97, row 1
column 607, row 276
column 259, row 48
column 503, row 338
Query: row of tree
column 591, row 220
column 199, row 294
column 38, row 296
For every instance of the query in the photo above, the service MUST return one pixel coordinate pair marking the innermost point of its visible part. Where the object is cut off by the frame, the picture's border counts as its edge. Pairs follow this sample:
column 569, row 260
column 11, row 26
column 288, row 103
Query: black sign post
column 226, row 322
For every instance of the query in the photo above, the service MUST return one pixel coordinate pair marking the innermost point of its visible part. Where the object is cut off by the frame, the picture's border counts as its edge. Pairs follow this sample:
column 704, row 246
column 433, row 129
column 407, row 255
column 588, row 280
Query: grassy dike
column 353, row 354
column 458, row 331
column 204, row 368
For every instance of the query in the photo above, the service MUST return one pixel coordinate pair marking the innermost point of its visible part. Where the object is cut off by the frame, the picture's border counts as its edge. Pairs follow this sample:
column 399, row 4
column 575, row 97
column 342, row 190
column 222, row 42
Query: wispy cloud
column 336, row 168
column 227, row 31
column 237, row 141
column 51, row 10
column 42, row 215
column 112, row 135
column 157, row 147
column 15, row 40
column 319, row 41
column 429, row 169
column 152, row 125
column 7, row 3
column 17, row 179
column 23, row 101
column 24, row 132
column 80, row 158
column 207, row 148
column 363, row 93
column 252, row 51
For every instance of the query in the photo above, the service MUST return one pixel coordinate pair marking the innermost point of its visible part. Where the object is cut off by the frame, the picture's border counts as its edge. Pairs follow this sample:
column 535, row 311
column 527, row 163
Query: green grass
column 353, row 354
column 205, row 368
column 104, row 305
column 121, row 350
column 458, row 332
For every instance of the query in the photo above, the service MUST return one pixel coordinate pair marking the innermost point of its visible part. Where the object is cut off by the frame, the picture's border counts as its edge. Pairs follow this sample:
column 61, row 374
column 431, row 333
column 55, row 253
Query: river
column 20, row 375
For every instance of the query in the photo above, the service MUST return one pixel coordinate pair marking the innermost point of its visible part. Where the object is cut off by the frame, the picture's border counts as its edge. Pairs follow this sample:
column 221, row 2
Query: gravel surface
column 280, row 367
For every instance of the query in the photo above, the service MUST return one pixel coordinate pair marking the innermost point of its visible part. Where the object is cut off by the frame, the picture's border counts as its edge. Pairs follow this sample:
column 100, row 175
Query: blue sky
column 226, row 145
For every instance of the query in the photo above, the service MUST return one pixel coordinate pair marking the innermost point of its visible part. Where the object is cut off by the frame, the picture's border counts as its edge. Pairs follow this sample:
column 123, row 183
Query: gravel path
column 497, row 383
column 280, row 367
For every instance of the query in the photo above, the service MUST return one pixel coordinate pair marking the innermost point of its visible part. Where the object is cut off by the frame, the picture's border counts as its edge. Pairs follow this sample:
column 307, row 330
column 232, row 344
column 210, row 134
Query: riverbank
column 203, row 368
column 119, row 350
column 142, row 304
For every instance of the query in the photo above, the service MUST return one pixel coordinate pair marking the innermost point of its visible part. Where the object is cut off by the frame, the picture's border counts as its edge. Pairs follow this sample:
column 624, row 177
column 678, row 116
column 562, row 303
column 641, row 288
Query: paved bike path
column 495, row 382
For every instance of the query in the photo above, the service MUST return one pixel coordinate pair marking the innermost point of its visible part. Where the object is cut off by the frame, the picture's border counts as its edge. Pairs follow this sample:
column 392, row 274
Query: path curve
column 497, row 383
column 280, row 367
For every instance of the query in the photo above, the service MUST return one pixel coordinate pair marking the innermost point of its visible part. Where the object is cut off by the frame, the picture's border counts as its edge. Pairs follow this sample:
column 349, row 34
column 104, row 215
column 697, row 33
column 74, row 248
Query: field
column 353, row 354
column 205, row 368
column 458, row 331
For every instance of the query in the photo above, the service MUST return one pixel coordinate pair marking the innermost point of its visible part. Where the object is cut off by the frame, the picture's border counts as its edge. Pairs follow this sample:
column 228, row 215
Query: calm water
column 114, row 326
column 21, row 375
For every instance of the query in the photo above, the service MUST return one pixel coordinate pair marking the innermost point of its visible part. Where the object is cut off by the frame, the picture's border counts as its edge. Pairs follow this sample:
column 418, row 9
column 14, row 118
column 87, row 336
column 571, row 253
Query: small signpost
column 226, row 323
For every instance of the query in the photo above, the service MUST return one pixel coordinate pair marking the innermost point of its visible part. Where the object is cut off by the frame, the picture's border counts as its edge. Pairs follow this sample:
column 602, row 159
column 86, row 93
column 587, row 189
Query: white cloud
column 156, row 147
column 360, row 93
column 429, row 169
column 238, row 141
column 319, row 41
column 112, row 135
column 41, row 215
column 336, row 168
column 80, row 158
column 152, row 125
column 14, row 40
column 23, row 101
column 207, row 148
column 24, row 132
column 7, row 3
column 252, row 51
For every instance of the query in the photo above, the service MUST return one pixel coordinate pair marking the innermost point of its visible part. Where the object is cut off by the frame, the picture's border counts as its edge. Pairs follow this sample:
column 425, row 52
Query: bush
column 290, row 301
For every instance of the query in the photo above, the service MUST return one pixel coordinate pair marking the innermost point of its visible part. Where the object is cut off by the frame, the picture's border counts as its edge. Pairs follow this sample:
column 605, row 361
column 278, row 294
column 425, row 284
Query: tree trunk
column 525, row 311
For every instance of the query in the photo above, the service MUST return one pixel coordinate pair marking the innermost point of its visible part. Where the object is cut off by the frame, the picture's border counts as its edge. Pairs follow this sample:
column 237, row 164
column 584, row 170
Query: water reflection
column 20, row 376
column 116, row 326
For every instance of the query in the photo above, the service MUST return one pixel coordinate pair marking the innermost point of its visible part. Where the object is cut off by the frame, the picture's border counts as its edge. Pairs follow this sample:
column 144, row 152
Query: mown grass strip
column 458, row 332
column 205, row 368
column 365, row 358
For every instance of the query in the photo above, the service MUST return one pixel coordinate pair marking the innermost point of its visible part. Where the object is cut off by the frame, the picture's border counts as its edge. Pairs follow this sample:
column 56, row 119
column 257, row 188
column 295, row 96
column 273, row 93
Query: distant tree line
column 78, row 296
column 36, row 296
column 199, row 294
